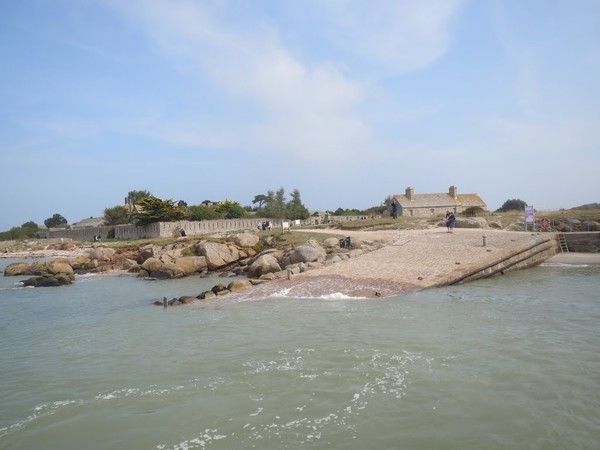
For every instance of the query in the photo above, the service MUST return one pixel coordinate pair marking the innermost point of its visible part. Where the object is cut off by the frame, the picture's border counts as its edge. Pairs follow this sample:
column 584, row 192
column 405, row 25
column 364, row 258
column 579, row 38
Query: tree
column 260, row 199
column 117, row 215
column 31, row 225
column 135, row 196
column 201, row 212
column 512, row 205
column 56, row 221
column 230, row 210
column 295, row 209
column 154, row 209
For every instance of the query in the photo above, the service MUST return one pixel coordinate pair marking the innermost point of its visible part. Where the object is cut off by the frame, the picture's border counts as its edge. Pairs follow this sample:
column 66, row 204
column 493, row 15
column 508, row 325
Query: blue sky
column 347, row 101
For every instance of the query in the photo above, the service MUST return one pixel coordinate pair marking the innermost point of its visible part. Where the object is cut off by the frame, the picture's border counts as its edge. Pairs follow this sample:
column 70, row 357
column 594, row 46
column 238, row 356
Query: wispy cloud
column 308, row 108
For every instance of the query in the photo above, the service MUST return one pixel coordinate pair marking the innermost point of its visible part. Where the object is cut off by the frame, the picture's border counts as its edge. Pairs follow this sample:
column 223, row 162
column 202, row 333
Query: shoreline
column 573, row 258
column 407, row 261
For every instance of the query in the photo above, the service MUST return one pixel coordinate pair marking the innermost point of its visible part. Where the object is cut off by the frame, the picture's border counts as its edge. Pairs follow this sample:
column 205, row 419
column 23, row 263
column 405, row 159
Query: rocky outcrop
column 17, row 269
column 246, row 240
column 59, row 279
column 218, row 255
column 266, row 263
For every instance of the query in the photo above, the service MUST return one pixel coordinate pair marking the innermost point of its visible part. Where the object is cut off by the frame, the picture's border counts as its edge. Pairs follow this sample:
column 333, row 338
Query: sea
column 510, row 362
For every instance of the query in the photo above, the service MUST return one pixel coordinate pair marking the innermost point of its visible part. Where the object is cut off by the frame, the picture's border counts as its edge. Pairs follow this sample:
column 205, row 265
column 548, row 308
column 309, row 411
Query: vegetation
column 117, row 215
column 372, row 211
column 156, row 210
column 201, row 212
column 25, row 231
column 56, row 221
column 474, row 211
column 274, row 205
column 135, row 196
column 230, row 210
column 588, row 207
column 512, row 205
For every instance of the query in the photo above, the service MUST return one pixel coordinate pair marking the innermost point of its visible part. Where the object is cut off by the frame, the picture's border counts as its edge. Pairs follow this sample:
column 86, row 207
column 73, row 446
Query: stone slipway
column 412, row 260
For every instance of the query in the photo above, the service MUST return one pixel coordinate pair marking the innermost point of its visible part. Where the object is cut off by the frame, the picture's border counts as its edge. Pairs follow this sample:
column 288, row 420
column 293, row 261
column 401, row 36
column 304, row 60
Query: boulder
column 38, row 268
column 56, row 267
column 191, row 264
column 16, row 269
column 331, row 243
column 246, row 240
column 129, row 264
column 306, row 253
column 237, row 285
column 218, row 255
column 471, row 222
column 47, row 281
column 332, row 258
column 207, row 295
column 264, row 264
column 145, row 252
column 166, row 271
column 218, row 288
column 152, row 264
column 102, row 253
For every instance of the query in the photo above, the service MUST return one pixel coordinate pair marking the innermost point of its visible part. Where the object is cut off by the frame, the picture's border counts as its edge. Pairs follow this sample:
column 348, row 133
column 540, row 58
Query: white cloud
column 305, row 108
column 396, row 35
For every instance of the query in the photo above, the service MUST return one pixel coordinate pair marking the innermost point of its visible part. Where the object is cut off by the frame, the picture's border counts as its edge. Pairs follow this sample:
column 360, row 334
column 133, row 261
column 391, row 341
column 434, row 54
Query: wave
column 546, row 264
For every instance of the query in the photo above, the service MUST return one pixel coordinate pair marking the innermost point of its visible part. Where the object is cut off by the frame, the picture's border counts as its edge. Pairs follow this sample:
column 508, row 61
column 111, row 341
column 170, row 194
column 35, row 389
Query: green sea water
column 510, row 362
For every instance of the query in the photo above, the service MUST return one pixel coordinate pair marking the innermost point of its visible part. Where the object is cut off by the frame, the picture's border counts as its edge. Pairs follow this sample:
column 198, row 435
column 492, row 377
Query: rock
column 16, row 269
column 218, row 255
column 166, row 271
column 471, row 222
column 331, row 243
column 47, row 281
column 102, row 253
column 237, row 285
column 218, row 288
column 129, row 265
column 145, row 252
column 332, row 258
column 57, row 267
column 38, row 268
column 246, row 240
column 268, row 276
column 266, row 263
column 152, row 264
column 191, row 264
column 207, row 295
column 306, row 253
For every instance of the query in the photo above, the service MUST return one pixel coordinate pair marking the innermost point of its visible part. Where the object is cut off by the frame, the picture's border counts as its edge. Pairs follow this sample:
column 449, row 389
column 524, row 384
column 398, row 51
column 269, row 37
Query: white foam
column 563, row 265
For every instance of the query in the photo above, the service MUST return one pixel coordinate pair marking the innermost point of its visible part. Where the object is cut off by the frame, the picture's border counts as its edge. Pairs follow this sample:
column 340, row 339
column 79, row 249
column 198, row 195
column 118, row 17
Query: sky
column 347, row 101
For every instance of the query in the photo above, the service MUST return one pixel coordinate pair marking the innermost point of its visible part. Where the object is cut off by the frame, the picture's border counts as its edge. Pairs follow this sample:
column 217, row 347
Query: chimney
column 409, row 193
column 453, row 192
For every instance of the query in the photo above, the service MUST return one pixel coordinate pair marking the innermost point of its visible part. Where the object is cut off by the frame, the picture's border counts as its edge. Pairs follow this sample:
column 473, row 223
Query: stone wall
column 161, row 229
column 191, row 228
column 583, row 242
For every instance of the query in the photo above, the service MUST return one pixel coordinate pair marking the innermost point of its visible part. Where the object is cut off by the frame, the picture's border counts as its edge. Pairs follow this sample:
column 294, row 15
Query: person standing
column 395, row 207
column 450, row 221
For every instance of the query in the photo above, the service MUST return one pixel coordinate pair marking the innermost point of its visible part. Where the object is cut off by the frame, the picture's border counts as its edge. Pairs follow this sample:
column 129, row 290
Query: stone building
column 431, row 205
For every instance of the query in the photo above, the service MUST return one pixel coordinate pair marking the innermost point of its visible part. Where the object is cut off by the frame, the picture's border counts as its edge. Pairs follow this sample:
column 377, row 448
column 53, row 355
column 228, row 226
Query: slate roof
column 91, row 222
column 440, row 201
